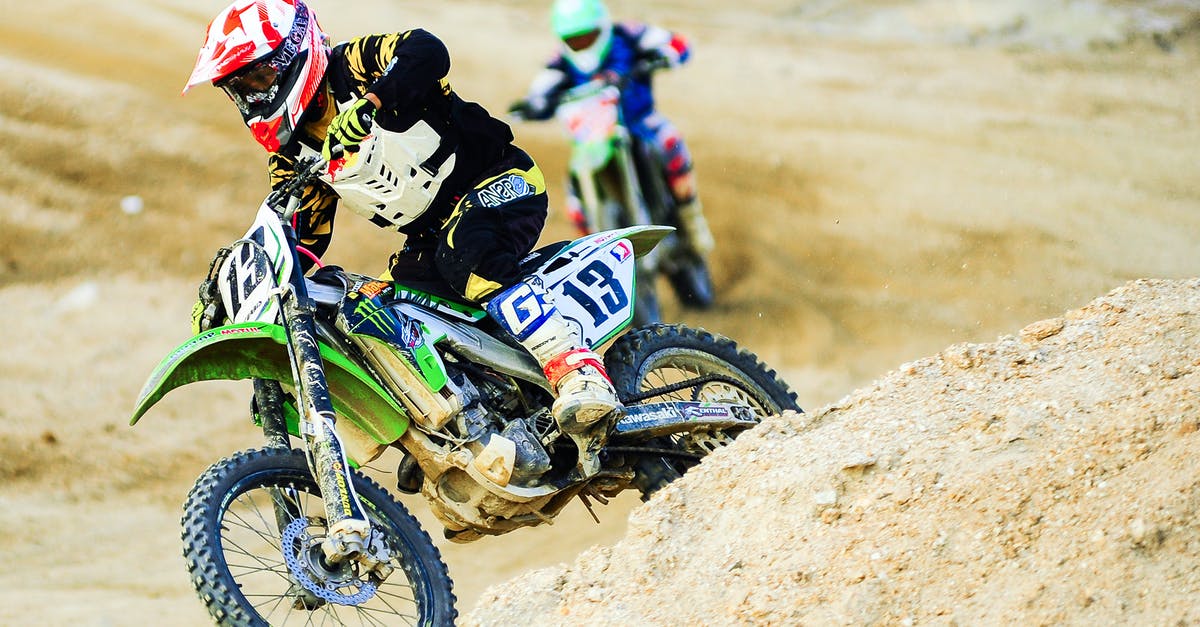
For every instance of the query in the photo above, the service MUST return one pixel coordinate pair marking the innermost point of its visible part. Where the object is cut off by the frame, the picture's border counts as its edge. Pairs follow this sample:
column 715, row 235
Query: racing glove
column 209, row 311
column 649, row 65
column 530, row 110
column 521, row 110
column 349, row 128
column 198, row 322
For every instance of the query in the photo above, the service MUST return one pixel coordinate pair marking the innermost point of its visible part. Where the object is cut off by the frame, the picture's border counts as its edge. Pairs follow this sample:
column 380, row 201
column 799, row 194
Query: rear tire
column 692, row 282
column 232, row 545
column 658, row 355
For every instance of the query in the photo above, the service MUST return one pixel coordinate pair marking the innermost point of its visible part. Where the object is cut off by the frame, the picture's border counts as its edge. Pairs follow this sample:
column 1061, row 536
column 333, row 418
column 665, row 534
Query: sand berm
column 1049, row 477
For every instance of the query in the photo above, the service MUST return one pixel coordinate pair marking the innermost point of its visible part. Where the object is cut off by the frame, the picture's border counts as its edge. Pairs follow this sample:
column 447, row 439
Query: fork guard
column 257, row 350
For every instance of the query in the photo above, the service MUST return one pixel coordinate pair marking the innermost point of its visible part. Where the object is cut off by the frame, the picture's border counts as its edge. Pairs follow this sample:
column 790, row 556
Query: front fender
column 259, row 350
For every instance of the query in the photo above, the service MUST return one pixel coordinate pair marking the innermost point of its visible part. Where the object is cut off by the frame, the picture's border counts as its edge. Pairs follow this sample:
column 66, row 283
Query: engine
column 493, row 406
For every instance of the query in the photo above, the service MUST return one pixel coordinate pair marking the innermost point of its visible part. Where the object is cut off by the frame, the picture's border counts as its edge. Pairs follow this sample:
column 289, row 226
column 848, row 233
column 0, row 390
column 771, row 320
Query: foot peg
column 590, row 440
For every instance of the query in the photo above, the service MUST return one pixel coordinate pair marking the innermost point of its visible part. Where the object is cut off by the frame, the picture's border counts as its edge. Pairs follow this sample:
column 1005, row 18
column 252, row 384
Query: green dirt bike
column 350, row 367
column 619, row 183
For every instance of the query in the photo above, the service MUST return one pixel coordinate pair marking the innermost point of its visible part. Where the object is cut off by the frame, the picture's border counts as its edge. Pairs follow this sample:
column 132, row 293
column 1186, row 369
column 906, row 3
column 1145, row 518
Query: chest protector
column 394, row 176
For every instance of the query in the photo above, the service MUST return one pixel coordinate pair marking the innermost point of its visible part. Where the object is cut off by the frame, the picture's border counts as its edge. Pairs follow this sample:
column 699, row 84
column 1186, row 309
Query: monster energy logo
column 378, row 316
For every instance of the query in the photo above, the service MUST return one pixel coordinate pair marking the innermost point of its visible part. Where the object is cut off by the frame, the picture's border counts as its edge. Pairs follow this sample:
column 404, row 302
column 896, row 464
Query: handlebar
column 522, row 110
column 641, row 70
column 286, row 198
column 646, row 67
column 584, row 90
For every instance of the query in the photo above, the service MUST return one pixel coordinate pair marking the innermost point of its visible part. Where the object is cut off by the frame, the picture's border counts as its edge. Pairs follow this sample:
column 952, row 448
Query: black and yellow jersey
column 409, row 73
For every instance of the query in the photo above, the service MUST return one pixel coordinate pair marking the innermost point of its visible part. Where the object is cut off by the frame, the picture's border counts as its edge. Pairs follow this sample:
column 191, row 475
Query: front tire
column 232, row 542
column 657, row 356
column 646, row 309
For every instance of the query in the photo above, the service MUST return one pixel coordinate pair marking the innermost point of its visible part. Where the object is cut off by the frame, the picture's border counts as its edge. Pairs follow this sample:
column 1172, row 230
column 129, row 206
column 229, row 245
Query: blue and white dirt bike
column 348, row 367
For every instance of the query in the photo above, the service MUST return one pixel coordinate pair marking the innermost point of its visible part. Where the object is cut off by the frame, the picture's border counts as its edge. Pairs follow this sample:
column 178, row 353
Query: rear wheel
column 246, row 507
column 677, row 363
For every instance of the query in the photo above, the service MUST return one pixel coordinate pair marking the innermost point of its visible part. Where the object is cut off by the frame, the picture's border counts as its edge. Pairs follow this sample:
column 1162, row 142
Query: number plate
column 595, row 289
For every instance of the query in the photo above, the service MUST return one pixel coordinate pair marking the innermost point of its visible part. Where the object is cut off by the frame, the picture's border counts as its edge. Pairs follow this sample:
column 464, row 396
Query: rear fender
column 643, row 237
column 259, row 350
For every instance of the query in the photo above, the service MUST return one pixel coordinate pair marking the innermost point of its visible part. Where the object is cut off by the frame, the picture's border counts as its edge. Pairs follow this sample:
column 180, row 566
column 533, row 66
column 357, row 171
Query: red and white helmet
column 269, row 57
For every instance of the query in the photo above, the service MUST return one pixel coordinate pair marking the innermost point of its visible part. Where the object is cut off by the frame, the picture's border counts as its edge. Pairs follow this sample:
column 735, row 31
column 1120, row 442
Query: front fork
column 636, row 210
column 349, row 534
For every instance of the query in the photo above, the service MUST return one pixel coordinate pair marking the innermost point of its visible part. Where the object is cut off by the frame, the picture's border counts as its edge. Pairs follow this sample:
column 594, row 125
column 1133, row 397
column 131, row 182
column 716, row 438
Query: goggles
column 252, row 87
column 582, row 41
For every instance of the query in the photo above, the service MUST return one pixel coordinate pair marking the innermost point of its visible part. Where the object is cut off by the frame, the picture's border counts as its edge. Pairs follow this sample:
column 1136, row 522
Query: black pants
column 478, row 249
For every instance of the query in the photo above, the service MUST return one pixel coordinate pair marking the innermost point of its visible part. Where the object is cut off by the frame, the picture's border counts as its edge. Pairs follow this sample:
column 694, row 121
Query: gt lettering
column 521, row 310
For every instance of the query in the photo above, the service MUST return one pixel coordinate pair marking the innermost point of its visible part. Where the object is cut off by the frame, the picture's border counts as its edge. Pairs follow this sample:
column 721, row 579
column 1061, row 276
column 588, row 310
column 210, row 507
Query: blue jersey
column 631, row 43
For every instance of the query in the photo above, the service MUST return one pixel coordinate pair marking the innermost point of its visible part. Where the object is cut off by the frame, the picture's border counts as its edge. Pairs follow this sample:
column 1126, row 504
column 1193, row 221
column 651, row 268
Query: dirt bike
column 619, row 182
column 350, row 367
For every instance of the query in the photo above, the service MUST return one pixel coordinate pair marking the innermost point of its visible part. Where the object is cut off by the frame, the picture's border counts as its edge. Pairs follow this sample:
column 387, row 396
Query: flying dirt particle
column 132, row 205
column 81, row 297
column 49, row 438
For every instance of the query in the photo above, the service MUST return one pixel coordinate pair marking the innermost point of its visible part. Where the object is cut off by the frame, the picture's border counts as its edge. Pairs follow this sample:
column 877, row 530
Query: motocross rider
column 480, row 203
column 593, row 47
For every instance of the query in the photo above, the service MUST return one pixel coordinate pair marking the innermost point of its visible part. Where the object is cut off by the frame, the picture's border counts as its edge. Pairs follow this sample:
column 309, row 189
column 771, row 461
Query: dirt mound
column 1046, row 478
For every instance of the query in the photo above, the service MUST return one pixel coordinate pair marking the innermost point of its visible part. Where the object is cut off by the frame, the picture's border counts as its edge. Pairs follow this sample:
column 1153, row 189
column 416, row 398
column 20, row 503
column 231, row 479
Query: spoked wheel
column 685, row 364
column 252, row 531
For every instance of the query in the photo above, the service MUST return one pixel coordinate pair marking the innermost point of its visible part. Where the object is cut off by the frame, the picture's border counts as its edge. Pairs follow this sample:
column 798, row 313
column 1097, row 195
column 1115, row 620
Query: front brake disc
column 304, row 558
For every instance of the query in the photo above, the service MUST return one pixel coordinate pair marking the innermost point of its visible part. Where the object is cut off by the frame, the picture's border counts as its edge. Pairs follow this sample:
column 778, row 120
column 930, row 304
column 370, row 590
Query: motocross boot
column 695, row 226
column 586, row 404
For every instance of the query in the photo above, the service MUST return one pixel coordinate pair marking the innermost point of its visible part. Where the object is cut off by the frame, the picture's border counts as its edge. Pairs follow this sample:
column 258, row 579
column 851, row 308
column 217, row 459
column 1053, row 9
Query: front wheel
column 646, row 309
column 677, row 363
column 252, row 529
column 692, row 282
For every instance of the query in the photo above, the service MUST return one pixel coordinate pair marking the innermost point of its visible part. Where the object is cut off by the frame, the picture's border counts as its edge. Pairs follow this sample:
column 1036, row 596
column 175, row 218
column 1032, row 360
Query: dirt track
column 876, row 195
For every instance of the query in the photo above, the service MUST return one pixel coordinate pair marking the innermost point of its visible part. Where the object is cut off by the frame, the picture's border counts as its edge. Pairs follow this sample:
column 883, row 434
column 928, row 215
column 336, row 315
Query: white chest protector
column 385, row 181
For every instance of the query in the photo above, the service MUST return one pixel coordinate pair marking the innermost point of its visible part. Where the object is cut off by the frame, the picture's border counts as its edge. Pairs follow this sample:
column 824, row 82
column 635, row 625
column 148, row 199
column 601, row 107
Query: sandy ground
column 884, row 179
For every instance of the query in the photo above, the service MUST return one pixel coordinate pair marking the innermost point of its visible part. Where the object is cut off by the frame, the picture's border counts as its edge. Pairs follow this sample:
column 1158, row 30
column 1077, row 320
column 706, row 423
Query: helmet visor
column 582, row 41
column 252, row 88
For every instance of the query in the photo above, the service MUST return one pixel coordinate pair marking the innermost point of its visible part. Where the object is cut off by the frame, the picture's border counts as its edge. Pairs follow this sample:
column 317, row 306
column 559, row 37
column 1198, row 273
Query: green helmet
column 585, row 29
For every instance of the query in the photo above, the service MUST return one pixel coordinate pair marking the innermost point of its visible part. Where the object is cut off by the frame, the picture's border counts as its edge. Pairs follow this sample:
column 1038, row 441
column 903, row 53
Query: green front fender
column 258, row 350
